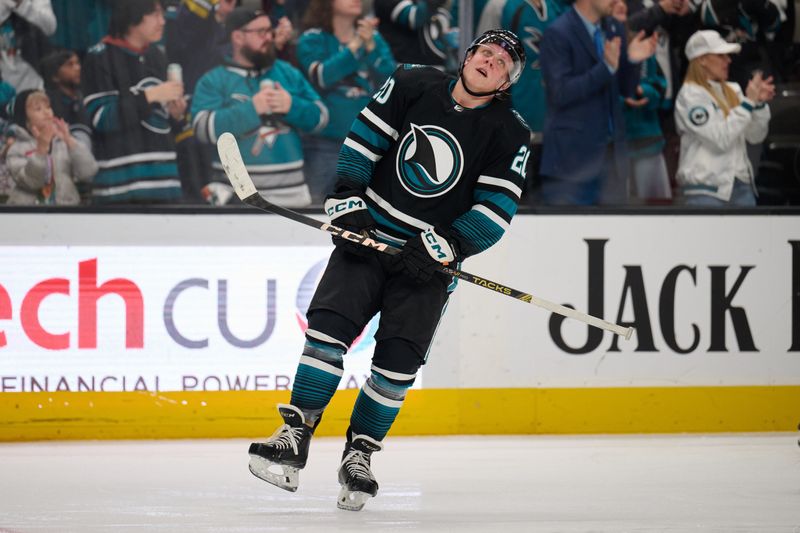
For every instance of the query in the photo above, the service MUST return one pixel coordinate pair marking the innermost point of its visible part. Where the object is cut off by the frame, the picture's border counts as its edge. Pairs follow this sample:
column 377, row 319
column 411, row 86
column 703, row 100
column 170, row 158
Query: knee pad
column 397, row 361
column 332, row 329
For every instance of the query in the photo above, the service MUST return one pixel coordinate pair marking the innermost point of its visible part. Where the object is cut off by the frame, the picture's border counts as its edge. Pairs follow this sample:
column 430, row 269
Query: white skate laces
column 357, row 465
column 355, row 476
column 286, row 437
column 279, row 459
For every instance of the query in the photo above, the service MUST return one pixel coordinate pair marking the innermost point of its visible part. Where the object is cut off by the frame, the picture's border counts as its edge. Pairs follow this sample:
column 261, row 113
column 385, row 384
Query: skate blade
column 286, row 477
column 352, row 500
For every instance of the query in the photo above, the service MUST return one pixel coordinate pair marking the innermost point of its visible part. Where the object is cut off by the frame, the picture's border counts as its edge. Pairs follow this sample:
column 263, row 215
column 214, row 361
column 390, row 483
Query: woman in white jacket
column 715, row 119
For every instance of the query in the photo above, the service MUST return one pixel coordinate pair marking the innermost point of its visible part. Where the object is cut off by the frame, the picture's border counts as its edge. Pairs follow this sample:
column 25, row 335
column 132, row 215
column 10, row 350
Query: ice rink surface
column 669, row 483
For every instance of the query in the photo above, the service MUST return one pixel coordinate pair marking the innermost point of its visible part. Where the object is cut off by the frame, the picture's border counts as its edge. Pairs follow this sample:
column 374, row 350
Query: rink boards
column 190, row 325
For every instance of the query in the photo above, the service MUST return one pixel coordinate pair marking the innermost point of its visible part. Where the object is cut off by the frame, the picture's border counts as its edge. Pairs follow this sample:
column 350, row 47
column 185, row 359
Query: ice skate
column 279, row 459
column 355, row 476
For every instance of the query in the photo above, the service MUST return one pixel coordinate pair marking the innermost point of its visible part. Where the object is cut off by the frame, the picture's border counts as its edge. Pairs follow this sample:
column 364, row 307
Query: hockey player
column 528, row 19
column 434, row 165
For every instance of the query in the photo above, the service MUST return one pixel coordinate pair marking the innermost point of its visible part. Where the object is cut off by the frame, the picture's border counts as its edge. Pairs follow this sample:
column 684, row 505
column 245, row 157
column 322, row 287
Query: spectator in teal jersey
column 649, row 181
column 266, row 103
column 346, row 60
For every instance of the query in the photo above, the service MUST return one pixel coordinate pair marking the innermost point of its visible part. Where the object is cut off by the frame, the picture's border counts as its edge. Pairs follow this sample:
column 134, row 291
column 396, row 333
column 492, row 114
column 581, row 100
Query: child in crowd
column 45, row 161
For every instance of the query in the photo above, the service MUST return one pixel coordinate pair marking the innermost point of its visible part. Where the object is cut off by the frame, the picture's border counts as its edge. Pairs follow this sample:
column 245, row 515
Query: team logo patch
column 429, row 162
column 534, row 39
column 698, row 115
column 158, row 119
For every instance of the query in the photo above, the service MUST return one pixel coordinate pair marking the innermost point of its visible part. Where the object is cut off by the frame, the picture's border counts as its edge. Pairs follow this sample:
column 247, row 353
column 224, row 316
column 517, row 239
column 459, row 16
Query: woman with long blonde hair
column 715, row 119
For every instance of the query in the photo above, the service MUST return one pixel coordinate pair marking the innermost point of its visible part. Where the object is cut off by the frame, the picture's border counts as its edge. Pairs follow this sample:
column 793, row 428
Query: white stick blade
column 231, row 159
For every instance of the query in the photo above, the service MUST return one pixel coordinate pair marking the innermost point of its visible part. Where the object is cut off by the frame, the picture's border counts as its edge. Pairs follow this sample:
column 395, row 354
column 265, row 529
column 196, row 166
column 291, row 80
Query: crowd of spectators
column 629, row 102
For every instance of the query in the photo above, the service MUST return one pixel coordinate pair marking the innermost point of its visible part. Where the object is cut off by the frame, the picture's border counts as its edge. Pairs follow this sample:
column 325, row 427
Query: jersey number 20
column 383, row 94
column 520, row 163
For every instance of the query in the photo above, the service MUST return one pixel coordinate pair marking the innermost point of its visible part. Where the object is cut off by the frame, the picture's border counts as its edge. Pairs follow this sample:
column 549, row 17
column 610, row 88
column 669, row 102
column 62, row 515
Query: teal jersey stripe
column 502, row 201
column 386, row 223
column 363, row 131
column 354, row 167
column 108, row 107
column 139, row 172
column 479, row 231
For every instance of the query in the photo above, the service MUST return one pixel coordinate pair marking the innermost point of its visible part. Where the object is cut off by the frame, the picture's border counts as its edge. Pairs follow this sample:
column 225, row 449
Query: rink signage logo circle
column 429, row 162
column 305, row 293
column 698, row 115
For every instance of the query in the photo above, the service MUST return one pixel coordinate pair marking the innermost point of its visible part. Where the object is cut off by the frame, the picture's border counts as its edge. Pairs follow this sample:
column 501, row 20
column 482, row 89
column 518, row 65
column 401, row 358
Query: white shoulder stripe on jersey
column 497, row 182
column 321, row 365
column 212, row 131
column 362, row 150
column 491, row 215
column 97, row 116
column 398, row 8
column 399, row 215
column 323, row 117
column 383, row 400
column 393, row 375
column 318, row 66
column 378, row 121
column 314, row 334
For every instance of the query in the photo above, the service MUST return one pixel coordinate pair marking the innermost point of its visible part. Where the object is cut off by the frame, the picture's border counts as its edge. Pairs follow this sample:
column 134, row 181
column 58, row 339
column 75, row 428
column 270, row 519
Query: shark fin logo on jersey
column 429, row 161
column 158, row 119
column 532, row 41
column 434, row 33
column 698, row 115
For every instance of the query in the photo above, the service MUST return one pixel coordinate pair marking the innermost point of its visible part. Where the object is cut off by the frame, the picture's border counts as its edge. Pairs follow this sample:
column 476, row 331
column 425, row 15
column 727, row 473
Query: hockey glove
column 424, row 254
column 347, row 209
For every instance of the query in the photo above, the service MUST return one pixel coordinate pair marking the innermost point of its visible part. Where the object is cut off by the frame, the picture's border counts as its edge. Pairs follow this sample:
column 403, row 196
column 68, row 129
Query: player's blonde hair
column 697, row 74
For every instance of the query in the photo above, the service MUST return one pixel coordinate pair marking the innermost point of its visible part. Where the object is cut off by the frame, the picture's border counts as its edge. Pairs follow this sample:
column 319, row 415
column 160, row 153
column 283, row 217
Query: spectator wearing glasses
column 266, row 103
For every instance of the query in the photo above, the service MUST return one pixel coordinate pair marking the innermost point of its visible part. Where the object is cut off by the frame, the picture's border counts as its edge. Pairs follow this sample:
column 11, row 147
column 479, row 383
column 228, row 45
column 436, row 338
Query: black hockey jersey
column 133, row 140
column 423, row 160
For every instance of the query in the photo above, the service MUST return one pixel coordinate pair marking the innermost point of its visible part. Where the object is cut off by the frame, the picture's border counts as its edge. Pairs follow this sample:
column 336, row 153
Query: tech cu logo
column 429, row 162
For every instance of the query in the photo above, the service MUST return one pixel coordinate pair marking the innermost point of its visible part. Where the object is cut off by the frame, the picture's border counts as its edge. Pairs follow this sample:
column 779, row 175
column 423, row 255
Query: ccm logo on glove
column 437, row 246
column 336, row 207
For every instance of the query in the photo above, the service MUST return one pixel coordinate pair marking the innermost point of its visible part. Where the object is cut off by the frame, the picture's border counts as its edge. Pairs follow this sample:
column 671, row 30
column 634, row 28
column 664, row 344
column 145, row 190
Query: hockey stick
column 237, row 173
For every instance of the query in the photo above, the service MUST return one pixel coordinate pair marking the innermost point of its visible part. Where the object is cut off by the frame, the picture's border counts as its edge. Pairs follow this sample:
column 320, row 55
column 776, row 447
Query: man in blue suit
column 587, row 64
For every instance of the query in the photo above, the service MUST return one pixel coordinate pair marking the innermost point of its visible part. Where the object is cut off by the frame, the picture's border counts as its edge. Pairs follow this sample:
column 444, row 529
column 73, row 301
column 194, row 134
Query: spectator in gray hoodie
column 45, row 161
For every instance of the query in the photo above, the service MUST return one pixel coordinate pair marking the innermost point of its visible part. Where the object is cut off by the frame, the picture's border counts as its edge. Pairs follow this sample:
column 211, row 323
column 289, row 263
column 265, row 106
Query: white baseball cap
column 709, row 42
